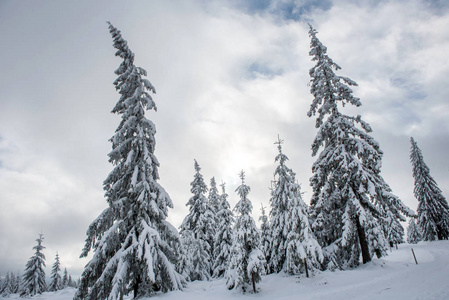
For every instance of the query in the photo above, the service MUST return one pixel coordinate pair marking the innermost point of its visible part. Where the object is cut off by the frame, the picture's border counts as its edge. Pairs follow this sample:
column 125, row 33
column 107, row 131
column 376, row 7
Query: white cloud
column 227, row 83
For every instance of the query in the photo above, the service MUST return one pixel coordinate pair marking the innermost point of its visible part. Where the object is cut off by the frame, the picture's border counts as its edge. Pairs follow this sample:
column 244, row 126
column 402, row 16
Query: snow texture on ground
column 393, row 277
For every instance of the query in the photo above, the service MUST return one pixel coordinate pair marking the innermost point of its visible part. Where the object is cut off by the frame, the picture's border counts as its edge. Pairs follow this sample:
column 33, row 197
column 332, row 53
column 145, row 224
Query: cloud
column 229, row 79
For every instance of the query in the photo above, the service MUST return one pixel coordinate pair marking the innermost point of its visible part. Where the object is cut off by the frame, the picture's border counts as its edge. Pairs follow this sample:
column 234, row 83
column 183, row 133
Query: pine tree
column 413, row 232
column 265, row 236
column 185, row 264
column 200, row 223
column 65, row 278
column 247, row 261
column 224, row 235
column 433, row 209
column 16, row 285
column 33, row 280
column 214, row 197
column 348, row 190
column 133, row 243
column 6, row 287
column 70, row 282
column 292, row 242
column 56, row 283
column 213, row 207
column 392, row 229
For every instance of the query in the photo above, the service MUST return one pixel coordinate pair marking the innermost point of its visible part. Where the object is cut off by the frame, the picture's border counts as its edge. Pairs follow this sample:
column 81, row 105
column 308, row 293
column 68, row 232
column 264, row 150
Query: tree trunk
column 363, row 243
column 136, row 287
column 254, row 283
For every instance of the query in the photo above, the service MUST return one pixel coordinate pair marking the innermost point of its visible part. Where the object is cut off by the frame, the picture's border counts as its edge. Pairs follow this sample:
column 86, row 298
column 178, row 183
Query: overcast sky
column 230, row 76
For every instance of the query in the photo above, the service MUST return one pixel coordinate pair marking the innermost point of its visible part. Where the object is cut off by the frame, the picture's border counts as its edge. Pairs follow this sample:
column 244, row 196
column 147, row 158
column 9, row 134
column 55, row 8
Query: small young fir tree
column 290, row 230
column 65, row 278
column 224, row 236
column 33, row 279
column 200, row 223
column 265, row 235
column 413, row 232
column 56, row 282
column 247, row 261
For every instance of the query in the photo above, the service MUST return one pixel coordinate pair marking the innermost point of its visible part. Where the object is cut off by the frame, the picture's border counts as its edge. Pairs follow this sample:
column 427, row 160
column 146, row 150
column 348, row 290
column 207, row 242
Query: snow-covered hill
column 393, row 277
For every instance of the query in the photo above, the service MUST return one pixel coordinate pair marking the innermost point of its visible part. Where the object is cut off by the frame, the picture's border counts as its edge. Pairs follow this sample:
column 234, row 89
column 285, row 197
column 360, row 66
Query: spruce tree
column 199, row 222
column 6, row 286
column 265, row 236
column 65, row 278
column 185, row 261
column 392, row 229
column 33, row 279
column 224, row 235
column 56, row 283
column 349, row 193
column 433, row 209
column 133, row 244
column 413, row 232
column 247, row 262
column 213, row 207
column 292, row 240
column 214, row 197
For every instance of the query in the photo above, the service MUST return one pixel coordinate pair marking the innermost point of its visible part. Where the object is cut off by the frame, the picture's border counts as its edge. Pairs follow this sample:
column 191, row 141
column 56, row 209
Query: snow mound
column 393, row 277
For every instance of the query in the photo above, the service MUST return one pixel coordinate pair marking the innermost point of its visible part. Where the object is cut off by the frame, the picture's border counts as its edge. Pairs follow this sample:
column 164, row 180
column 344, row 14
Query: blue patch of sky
column 413, row 90
column 287, row 10
column 438, row 7
column 256, row 70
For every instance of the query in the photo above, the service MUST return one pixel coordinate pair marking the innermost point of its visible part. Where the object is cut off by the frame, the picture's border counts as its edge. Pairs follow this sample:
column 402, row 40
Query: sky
column 230, row 77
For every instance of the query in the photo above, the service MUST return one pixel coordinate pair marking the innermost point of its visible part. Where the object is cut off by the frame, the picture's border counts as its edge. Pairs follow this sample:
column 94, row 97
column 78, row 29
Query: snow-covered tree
column 223, row 237
column 65, row 278
column 247, row 261
column 413, row 232
column 6, row 286
column 200, row 222
column 433, row 209
column 213, row 207
column 185, row 261
column 70, row 282
column 214, row 197
column 56, row 283
column 133, row 243
column 392, row 229
column 265, row 235
column 292, row 240
column 348, row 190
column 33, row 280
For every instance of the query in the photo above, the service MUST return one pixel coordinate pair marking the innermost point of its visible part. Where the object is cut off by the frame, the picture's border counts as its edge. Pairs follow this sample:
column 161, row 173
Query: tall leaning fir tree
column 349, row 194
column 133, row 244
column 433, row 209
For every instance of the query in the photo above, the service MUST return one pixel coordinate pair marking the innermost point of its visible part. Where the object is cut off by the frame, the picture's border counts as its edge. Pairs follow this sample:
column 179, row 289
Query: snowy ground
column 393, row 277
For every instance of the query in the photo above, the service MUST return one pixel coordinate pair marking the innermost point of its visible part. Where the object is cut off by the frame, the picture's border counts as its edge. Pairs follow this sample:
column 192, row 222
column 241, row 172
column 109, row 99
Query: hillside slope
column 393, row 277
